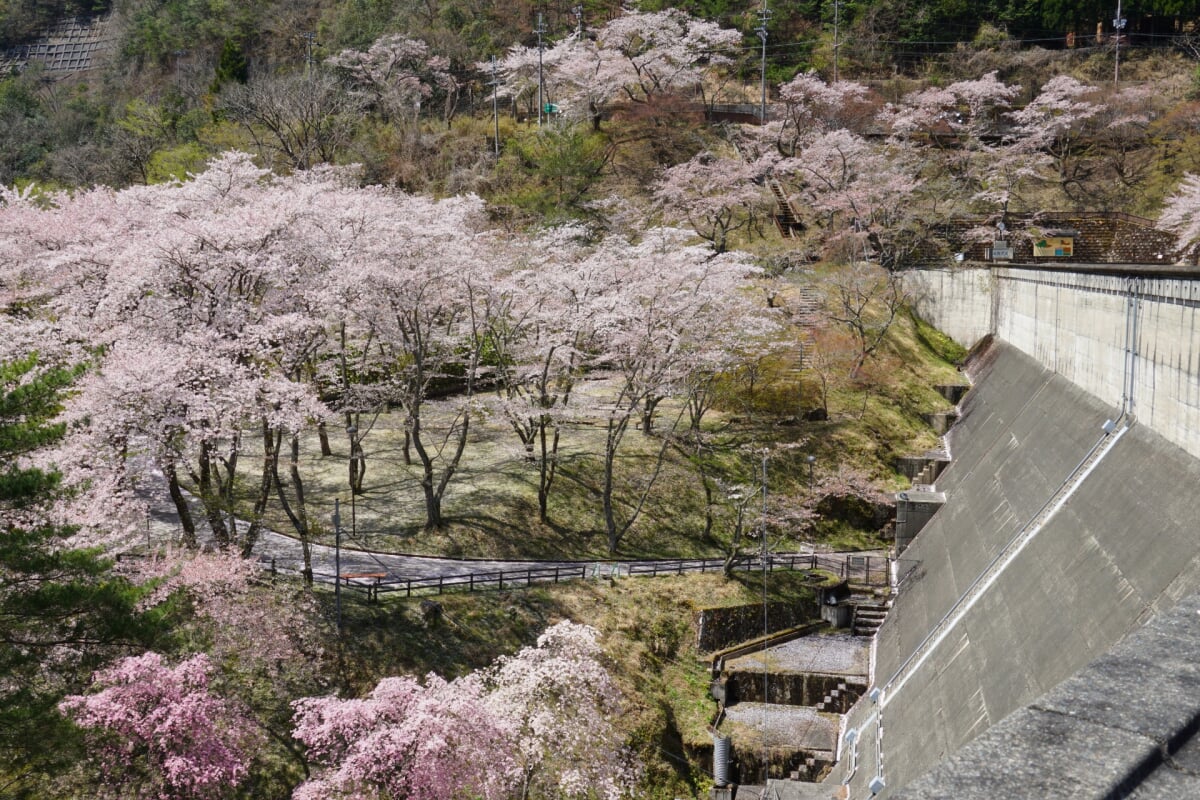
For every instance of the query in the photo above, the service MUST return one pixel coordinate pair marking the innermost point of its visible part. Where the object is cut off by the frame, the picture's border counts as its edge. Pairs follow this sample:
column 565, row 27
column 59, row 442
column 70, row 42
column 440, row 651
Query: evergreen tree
column 62, row 612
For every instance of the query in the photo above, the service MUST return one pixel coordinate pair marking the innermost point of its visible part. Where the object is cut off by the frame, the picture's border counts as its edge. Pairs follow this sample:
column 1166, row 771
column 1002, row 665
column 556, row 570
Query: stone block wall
column 720, row 628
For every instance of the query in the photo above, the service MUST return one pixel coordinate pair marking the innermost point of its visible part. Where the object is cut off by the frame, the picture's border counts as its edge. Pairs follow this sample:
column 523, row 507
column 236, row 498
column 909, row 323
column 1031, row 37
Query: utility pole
column 1118, row 28
column 496, row 104
column 541, row 28
column 310, row 40
column 337, row 561
column 764, row 14
column 836, row 43
column 766, row 617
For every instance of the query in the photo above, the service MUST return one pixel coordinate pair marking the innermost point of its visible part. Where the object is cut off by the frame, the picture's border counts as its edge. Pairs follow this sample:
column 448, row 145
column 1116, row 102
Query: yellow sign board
column 1053, row 246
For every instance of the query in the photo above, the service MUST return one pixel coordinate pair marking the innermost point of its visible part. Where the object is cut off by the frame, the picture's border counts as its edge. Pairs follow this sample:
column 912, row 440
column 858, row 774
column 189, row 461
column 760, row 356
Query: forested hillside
column 167, row 98
column 510, row 281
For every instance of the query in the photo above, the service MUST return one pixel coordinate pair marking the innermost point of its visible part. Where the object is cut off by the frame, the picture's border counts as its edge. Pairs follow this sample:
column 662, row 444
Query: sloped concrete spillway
column 1117, row 545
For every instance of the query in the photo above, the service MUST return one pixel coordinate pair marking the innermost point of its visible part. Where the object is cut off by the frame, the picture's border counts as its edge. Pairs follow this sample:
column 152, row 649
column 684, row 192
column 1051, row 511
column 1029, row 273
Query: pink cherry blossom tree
column 1055, row 124
column 536, row 724
column 544, row 337
column 395, row 74
column 557, row 702
column 433, row 741
column 714, row 195
column 1181, row 212
column 660, row 326
column 812, row 107
column 159, row 731
column 859, row 194
column 666, row 51
column 636, row 57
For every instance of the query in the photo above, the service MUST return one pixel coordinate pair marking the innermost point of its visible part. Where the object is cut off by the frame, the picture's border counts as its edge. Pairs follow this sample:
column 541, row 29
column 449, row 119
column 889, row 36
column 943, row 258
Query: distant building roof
column 1098, row 237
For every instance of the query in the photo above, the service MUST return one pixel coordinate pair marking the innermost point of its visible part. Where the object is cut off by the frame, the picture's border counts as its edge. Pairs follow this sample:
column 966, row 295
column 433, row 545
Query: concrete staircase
column 868, row 616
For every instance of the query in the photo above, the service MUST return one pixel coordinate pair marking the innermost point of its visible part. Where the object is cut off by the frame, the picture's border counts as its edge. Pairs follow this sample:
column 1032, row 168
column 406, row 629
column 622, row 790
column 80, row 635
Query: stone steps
column 868, row 617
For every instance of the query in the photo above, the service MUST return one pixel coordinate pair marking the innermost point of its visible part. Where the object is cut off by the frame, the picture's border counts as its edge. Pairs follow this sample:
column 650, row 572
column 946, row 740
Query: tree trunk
column 298, row 487
column 181, row 506
column 264, row 495
column 323, row 437
column 296, row 513
column 546, row 472
column 434, row 494
column 210, row 498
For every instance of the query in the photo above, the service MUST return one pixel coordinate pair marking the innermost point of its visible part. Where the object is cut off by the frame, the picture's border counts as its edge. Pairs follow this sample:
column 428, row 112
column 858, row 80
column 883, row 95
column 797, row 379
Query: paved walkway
column 284, row 553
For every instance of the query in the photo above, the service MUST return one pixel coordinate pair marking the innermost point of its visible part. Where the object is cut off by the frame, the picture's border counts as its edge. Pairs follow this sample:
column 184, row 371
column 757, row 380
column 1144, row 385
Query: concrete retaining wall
column 1081, row 325
column 720, row 628
column 806, row 689
column 958, row 302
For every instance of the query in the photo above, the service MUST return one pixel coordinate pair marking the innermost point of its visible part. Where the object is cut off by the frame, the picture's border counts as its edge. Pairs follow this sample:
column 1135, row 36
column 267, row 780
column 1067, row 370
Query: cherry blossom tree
column 160, row 731
column 1181, row 212
column 202, row 296
column 544, row 338
column 536, row 724
column 660, row 326
column 433, row 741
column 864, row 299
column 666, row 51
column 714, row 195
column 395, row 74
column 966, row 110
column 859, row 194
column 1055, row 123
column 637, row 57
column 557, row 703
column 812, row 107
column 419, row 290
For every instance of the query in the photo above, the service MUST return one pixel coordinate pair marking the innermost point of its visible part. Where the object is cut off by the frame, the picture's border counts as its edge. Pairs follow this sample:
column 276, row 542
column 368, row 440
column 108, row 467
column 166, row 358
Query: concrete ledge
column 1125, row 726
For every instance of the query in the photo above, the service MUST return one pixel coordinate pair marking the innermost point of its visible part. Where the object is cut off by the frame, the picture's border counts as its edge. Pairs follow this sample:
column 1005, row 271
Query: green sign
column 550, row 108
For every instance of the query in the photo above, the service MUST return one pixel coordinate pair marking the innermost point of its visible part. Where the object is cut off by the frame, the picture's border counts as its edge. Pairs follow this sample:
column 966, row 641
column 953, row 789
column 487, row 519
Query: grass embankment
column 649, row 634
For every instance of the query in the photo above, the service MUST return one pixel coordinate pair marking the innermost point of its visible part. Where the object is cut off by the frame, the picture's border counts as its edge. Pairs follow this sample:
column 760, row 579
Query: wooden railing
column 861, row 569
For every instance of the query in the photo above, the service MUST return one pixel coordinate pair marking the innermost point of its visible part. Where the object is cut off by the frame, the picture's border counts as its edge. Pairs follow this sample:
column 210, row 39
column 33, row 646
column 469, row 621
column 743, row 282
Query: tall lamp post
column 1118, row 29
column 811, row 459
column 337, row 560
column 352, row 432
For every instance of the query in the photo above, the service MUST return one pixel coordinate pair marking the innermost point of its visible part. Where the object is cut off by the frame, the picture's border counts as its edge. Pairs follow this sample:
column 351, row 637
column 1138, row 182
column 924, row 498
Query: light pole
column 811, row 459
column 352, row 431
column 541, row 28
column 496, row 104
column 1118, row 27
column 835, row 41
column 337, row 560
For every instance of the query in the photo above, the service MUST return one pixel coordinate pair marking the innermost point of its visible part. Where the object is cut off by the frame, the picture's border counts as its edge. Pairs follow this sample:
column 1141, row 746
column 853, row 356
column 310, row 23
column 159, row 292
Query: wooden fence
column 861, row 569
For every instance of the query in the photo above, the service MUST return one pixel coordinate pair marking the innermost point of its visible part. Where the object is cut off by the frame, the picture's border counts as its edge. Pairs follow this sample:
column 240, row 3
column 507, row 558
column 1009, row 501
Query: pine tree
column 62, row 612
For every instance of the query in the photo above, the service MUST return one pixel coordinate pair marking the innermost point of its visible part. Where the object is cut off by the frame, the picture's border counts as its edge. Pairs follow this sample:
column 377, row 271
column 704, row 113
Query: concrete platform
column 827, row 655
column 791, row 727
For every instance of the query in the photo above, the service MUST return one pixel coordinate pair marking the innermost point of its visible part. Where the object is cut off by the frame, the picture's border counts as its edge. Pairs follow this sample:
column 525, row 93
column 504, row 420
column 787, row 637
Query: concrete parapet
column 1129, row 338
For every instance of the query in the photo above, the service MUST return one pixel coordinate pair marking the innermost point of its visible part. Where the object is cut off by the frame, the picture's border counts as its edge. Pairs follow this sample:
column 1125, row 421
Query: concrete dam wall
column 1132, row 341
column 1059, row 535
